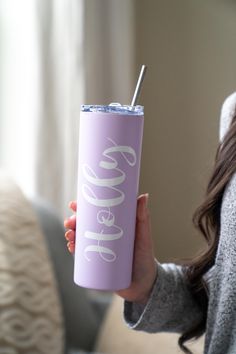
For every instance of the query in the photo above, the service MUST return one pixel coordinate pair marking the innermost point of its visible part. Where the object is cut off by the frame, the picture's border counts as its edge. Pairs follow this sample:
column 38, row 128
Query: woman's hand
column 70, row 224
column 144, row 265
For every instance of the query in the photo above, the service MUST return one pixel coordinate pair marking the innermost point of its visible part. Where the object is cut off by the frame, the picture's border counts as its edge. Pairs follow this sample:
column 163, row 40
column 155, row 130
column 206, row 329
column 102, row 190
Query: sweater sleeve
column 170, row 308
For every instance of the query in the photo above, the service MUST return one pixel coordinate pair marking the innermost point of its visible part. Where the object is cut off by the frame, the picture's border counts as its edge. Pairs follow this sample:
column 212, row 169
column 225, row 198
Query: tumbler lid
column 114, row 108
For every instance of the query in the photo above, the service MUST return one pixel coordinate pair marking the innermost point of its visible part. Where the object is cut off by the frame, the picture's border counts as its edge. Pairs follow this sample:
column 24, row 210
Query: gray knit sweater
column 171, row 307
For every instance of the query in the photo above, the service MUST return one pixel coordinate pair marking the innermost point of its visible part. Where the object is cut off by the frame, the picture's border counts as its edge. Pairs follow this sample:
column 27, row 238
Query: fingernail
column 70, row 247
column 146, row 199
column 72, row 205
column 67, row 234
column 144, row 207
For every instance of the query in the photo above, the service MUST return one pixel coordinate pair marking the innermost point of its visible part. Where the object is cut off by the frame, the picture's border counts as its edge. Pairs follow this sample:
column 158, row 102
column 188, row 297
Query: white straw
column 139, row 85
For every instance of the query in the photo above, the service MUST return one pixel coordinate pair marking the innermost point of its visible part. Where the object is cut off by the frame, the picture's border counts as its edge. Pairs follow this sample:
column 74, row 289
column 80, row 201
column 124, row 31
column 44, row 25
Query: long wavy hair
column 207, row 220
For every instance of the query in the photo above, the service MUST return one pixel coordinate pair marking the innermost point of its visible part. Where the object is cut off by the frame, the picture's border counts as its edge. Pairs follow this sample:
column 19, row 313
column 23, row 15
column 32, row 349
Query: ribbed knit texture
column 30, row 311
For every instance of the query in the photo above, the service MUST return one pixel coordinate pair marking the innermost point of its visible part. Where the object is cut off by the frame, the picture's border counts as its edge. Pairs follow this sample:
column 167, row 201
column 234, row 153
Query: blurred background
column 54, row 56
column 58, row 54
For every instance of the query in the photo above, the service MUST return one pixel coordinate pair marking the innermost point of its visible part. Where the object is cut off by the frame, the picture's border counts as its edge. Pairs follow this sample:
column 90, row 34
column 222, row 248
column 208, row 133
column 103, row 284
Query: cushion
column 31, row 320
column 116, row 338
column 80, row 318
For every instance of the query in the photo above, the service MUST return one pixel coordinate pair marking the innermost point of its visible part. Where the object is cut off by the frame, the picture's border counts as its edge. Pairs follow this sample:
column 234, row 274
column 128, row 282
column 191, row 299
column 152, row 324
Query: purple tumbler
column 110, row 145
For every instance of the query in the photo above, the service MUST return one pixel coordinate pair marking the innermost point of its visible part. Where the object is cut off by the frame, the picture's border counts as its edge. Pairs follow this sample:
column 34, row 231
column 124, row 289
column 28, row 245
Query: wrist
column 144, row 299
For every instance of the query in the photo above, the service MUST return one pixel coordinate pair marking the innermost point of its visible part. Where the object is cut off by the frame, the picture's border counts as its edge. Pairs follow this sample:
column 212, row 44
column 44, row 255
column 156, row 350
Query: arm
column 170, row 308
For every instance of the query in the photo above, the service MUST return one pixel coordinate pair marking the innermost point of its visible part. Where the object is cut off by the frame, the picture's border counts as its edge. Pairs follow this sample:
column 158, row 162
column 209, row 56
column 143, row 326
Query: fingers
column 142, row 207
column 71, row 246
column 70, row 235
column 143, row 225
column 73, row 205
column 70, row 223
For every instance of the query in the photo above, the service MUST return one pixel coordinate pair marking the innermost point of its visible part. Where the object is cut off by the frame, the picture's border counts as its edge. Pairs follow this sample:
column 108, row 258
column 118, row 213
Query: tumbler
column 110, row 145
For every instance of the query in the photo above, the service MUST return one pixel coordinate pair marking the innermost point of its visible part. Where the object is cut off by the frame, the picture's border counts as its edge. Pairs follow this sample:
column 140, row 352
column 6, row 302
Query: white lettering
column 102, row 251
column 106, row 217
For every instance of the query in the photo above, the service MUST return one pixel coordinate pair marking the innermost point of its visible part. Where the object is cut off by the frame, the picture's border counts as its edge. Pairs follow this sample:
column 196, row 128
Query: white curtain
column 55, row 55
column 62, row 92
column 19, row 89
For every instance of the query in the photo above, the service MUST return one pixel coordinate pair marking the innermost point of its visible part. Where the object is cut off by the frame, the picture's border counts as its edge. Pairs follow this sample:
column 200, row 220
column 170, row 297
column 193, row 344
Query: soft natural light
column 54, row 57
column 19, row 90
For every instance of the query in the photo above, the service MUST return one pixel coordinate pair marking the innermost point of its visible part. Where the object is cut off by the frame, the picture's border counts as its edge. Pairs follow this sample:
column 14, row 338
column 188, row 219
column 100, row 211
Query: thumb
column 142, row 207
column 143, row 224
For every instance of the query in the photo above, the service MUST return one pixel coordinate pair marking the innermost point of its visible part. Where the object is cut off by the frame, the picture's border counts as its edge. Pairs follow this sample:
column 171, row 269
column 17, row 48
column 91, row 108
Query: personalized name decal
column 108, row 230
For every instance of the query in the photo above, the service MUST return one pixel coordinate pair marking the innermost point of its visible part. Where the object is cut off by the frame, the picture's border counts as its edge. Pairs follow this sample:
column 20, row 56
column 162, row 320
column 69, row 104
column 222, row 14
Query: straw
column 139, row 85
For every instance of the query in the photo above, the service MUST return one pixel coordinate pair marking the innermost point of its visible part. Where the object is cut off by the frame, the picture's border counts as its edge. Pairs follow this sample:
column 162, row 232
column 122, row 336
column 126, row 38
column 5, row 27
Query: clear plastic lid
column 114, row 108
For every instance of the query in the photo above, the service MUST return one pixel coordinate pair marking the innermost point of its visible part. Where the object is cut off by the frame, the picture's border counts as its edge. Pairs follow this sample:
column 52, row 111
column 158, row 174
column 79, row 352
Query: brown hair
column 207, row 220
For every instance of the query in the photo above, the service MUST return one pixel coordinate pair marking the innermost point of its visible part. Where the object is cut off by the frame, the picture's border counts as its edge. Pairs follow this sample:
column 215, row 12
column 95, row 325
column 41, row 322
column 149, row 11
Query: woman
column 198, row 297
